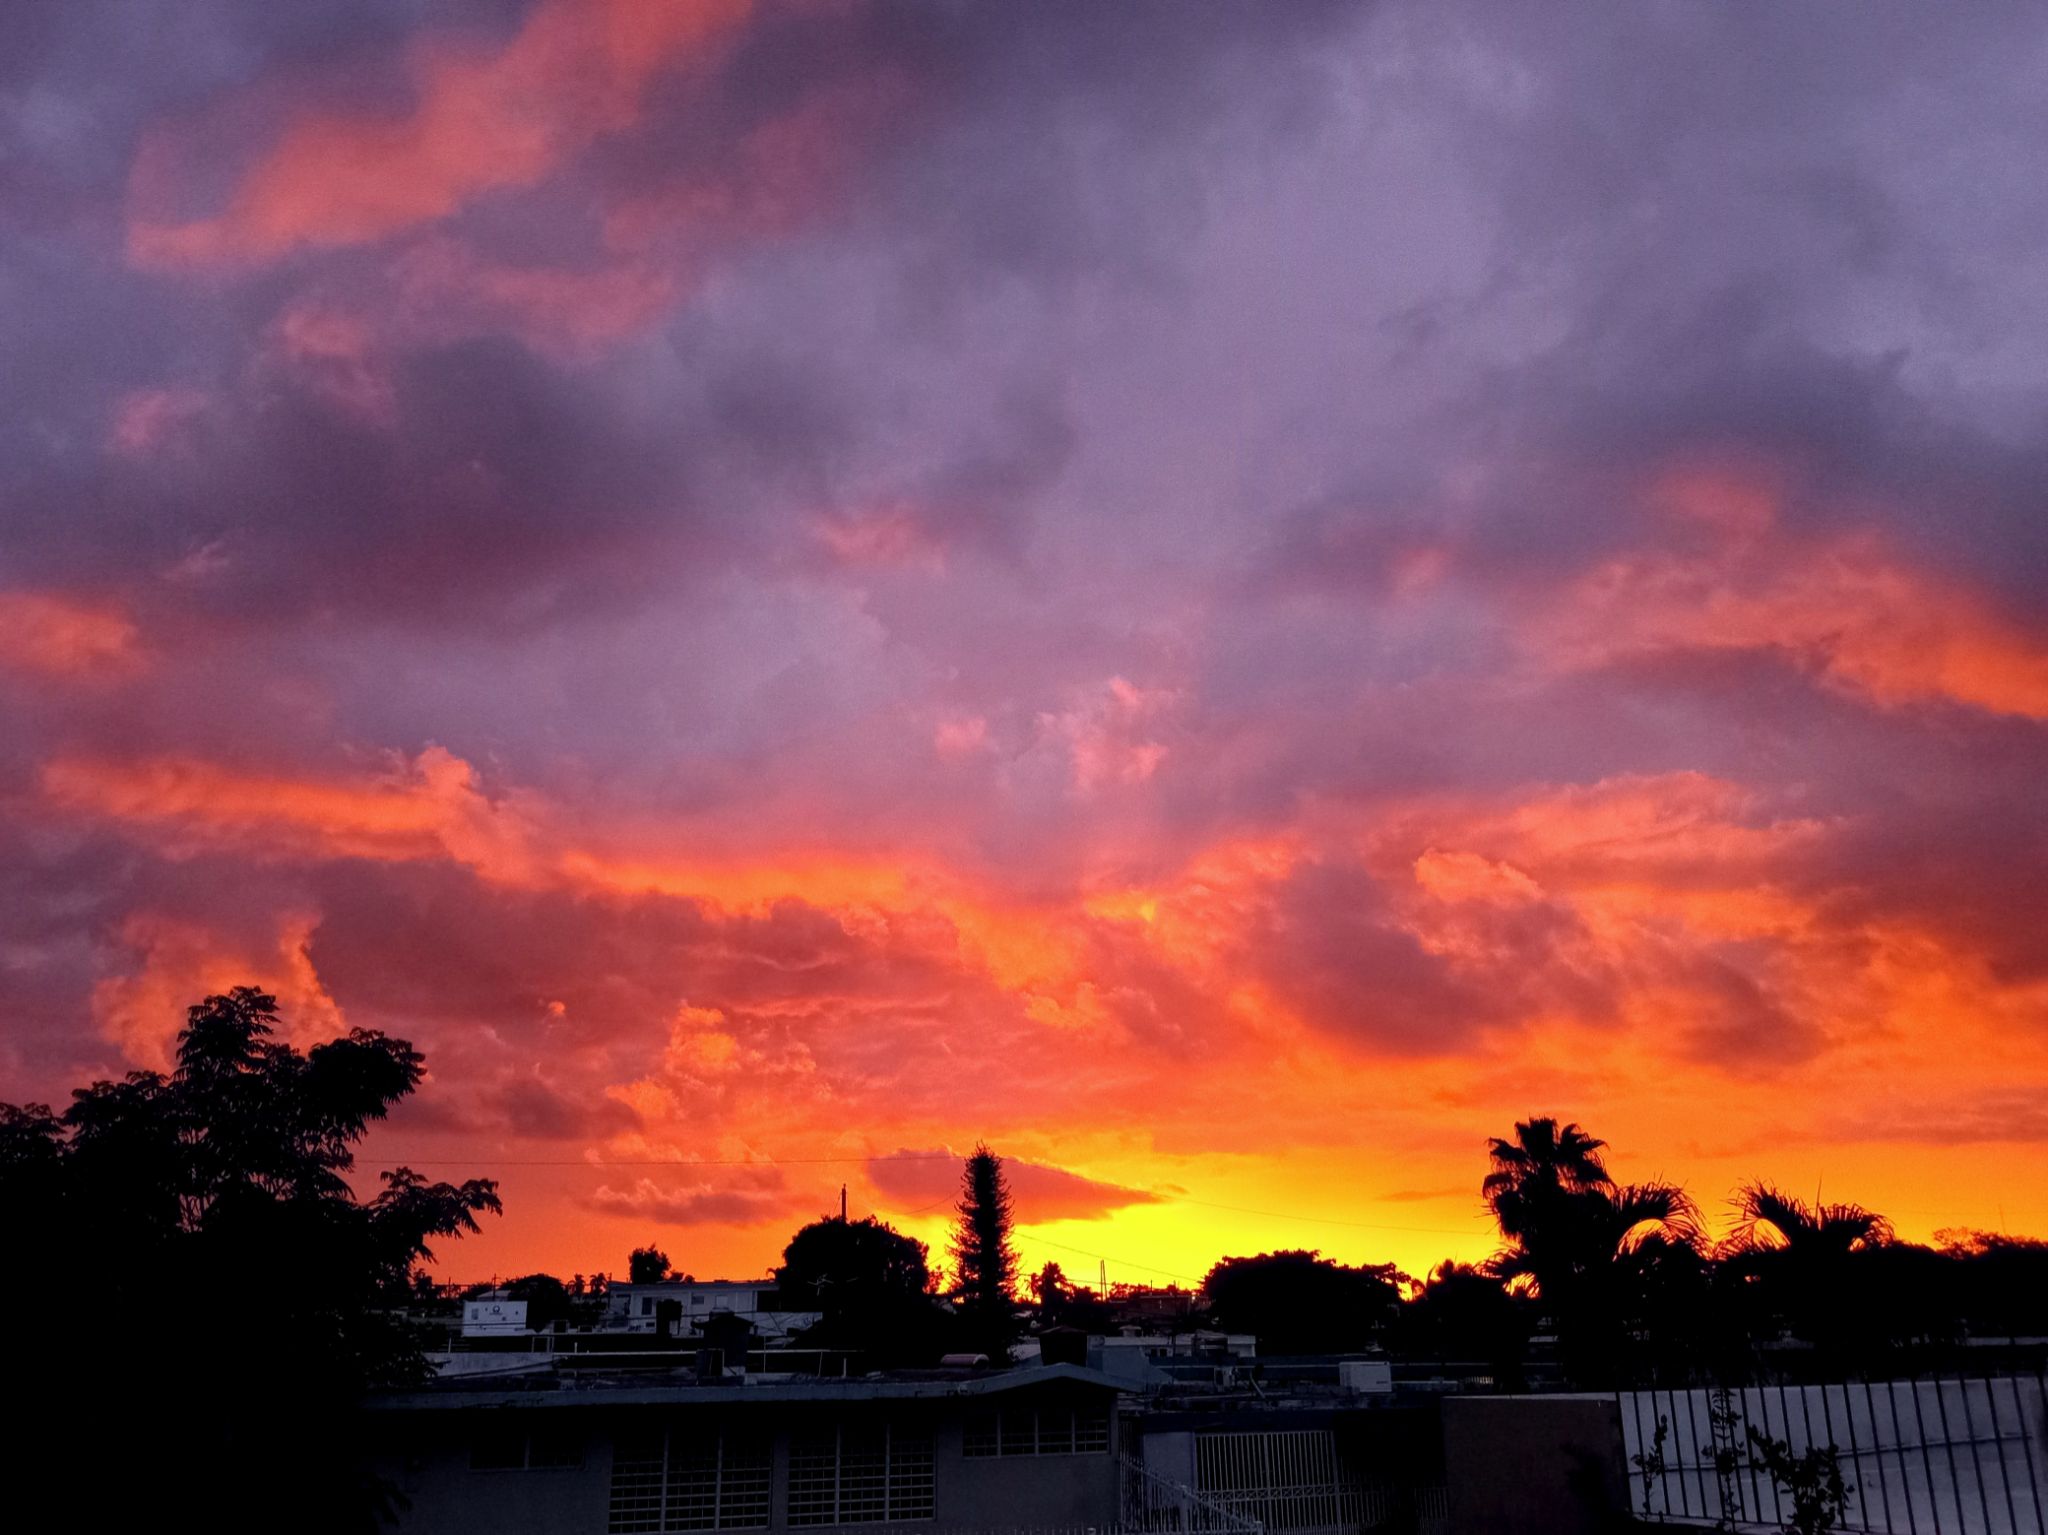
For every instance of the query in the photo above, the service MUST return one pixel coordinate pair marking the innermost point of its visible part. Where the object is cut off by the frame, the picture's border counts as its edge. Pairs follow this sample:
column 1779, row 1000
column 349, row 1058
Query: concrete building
column 493, row 1316
column 637, row 1307
column 1026, row 1448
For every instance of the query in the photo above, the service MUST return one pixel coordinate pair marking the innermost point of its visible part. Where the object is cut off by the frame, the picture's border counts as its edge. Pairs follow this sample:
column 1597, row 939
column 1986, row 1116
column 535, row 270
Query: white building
column 492, row 1316
column 636, row 1307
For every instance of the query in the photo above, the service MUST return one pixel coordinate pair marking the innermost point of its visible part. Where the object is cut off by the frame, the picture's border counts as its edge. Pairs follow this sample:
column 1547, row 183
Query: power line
column 1144, row 1268
column 1322, row 1220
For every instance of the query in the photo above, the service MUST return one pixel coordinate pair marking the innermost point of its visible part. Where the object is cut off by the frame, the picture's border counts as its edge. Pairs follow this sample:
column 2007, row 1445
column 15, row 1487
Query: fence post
column 1948, row 1445
column 1884, row 1490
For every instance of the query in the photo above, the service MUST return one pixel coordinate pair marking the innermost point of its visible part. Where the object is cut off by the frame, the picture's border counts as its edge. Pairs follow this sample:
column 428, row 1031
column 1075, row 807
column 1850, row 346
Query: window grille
column 680, row 1479
column 1038, row 1431
column 860, row 1474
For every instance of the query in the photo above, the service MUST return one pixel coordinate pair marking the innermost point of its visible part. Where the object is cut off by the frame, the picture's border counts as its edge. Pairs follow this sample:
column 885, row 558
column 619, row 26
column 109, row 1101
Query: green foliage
column 235, row 1289
column 1650, row 1464
column 1812, row 1479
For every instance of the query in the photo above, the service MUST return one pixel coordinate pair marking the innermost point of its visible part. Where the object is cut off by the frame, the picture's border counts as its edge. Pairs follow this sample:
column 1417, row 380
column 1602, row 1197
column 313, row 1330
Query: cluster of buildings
column 695, row 1405
column 698, row 1406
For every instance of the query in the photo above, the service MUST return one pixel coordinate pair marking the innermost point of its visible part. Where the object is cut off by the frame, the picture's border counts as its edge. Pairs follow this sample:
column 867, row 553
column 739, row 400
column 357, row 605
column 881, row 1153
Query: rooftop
column 554, row 1390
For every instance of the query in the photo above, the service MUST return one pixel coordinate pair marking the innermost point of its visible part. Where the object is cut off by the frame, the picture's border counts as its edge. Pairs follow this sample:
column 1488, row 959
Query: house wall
column 1029, row 1491
column 428, row 1459
column 428, row 1456
column 1534, row 1465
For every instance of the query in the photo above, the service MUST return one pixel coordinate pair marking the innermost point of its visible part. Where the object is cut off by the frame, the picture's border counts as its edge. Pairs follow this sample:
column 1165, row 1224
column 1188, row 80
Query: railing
column 1157, row 1505
column 1926, row 1457
column 1294, row 1482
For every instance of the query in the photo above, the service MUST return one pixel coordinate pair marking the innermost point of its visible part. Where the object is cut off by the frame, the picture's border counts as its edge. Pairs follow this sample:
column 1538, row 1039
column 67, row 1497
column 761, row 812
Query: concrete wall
column 428, row 1458
column 1535, row 1465
column 428, row 1455
column 1031, row 1491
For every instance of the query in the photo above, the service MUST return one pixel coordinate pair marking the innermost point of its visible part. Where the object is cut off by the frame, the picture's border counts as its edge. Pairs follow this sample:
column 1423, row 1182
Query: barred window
column 860, row 1474
column 502, row 1447
column 1045, row 1430
column 682, row 1479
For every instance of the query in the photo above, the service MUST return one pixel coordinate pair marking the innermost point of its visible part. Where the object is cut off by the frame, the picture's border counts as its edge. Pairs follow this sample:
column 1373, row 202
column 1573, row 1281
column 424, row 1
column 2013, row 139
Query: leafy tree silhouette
column 985, row 1264
column 228, row 1293
column 1300, row 1302
column 873, row 1285
column 1049, row 1286
column 647, row 1265
column 1464, row 1313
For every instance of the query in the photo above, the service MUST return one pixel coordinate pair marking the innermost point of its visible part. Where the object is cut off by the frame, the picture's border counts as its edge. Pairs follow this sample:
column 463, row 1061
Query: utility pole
column 842, row 1204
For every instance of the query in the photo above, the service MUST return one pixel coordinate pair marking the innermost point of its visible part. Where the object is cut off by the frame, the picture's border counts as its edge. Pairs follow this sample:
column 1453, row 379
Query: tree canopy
column 205, row 1221
column 1297, row 1301
column 873, row 1285
column 647, row 1265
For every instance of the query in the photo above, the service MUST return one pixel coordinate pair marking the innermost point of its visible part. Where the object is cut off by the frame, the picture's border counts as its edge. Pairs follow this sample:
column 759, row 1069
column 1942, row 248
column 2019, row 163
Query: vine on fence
column 1722, row 1417
column 1650, row 1463
column 1812, row 1479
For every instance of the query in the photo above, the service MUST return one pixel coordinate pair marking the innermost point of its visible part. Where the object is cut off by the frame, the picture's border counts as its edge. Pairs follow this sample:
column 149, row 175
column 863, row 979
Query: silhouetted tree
column 160, row 1196
column 1998, row 1283
column 647, row 1265
column 1049, row 1286
column 985, row 1264
column 547, row 1300
column 1805, row 1259
column 1572, row 1228
column 1298, row 1301
column 1464, row 1314
column 873, row 1285
column 1531, row 1170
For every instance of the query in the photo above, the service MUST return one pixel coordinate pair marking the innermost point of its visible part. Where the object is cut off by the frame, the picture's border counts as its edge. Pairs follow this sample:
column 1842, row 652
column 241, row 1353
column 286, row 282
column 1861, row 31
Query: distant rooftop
column 895, row 1385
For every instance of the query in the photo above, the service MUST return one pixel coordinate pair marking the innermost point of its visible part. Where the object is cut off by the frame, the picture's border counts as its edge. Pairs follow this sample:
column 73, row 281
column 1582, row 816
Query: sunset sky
column 1225, row 598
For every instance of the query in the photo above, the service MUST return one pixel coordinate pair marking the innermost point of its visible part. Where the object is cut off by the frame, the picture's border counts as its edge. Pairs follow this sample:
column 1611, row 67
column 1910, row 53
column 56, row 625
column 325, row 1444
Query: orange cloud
column 432, row 807
column 61, row 637
column 1846, row 609
column 481, row 120
column 181, row 961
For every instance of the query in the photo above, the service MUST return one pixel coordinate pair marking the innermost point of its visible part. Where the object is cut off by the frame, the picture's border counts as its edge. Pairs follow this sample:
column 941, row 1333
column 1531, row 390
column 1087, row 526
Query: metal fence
column 1915, row 1457
column 1162, row 1506
column 1295, row 1482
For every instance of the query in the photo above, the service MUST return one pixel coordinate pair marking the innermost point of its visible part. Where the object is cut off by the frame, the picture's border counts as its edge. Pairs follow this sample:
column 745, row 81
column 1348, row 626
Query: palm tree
column 1767, row 1218
column 1804, row 1259
column 1583, row 1232
column 1571, row 1228
column 1540, row 1162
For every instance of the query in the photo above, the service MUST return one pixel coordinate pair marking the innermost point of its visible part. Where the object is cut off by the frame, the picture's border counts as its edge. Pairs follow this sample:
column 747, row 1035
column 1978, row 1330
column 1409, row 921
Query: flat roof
column 584, row 1392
